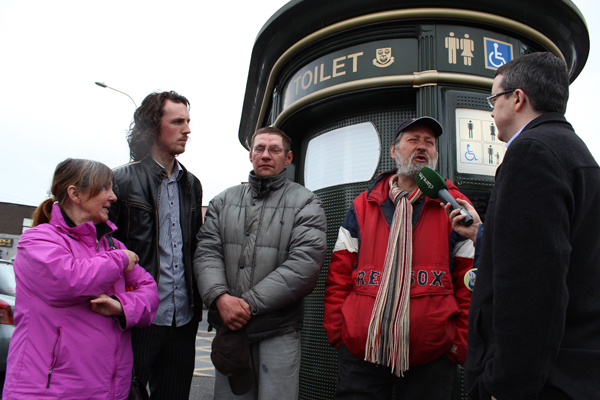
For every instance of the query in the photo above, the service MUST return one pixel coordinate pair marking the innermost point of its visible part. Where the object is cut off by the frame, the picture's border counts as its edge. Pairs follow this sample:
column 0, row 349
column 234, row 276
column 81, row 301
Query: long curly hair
column 145, row 128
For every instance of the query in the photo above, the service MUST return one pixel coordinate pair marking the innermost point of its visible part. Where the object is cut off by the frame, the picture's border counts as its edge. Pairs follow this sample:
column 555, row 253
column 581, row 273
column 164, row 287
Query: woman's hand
column 133, row 259
column 107, row 306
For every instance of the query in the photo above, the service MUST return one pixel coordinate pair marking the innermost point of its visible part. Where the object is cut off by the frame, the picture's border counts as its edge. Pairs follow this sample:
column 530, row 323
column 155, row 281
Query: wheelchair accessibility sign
column 478, row 150
column 497, row 53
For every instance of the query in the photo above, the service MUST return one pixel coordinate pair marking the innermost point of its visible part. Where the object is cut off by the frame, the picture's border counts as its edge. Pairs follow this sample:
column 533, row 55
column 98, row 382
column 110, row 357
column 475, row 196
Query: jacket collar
column 153, row 166
column 85, row 232
column 552, row 117
column 261, row 186
column 379, row 190
column 156, row 168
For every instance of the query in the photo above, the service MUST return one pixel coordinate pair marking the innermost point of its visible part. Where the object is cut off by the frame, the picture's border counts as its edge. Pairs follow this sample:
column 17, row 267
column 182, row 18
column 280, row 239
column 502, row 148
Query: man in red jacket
column 396, row 301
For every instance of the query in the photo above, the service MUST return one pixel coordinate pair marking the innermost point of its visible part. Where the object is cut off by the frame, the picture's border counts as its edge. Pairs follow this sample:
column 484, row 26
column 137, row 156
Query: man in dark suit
column 534, row 320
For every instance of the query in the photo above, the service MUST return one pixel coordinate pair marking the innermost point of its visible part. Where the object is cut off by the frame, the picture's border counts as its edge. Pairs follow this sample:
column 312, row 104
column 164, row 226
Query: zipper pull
column 49, row 375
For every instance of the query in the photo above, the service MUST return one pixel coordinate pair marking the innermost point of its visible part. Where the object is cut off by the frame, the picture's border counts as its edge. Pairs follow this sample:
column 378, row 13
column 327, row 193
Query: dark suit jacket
column 534, row 321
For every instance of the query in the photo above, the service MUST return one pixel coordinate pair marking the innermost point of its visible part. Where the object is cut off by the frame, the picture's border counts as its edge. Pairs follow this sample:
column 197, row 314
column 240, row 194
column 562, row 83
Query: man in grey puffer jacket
column 259, row 253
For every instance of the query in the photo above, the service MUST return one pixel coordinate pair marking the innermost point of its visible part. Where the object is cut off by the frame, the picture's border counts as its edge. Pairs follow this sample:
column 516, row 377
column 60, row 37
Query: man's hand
column 133, row 259
column 234, row 311
column 107, row 306
column 469, row 232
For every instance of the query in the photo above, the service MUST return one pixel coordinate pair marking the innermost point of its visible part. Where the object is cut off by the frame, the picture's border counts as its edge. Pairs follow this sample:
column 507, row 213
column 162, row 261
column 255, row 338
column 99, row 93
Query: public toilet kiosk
column 339, row 76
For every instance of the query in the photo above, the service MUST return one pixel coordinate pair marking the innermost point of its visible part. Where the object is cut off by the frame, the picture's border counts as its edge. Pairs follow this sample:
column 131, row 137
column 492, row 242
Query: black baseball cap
column 231, row 357
column 429, row 122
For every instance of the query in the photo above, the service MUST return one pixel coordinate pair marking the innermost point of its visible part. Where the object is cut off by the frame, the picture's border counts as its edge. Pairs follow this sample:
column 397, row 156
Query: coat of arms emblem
column 383, row 57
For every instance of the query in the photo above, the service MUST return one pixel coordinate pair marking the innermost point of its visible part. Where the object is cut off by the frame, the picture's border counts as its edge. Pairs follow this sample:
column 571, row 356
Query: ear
column 250, row 155
column 393, row 151
column 520, row 100
column 289, row 157
column 74, row 194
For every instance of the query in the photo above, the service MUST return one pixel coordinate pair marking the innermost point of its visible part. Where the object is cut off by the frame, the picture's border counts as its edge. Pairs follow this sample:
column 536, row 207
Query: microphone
column 434, row 187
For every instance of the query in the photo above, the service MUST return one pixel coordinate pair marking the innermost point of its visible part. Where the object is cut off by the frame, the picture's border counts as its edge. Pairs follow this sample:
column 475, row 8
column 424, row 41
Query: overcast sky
column 54, row 51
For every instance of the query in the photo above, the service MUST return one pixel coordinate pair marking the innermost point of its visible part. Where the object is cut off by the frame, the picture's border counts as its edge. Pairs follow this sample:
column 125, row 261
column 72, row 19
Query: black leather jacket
column 135, row 213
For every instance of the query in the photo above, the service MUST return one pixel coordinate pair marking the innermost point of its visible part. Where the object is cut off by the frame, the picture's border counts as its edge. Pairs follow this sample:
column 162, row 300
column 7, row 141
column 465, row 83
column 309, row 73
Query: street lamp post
column 104, row 85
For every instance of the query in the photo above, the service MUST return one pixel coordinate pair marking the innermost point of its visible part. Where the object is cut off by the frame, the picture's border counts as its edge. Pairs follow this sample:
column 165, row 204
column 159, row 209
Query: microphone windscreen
column 430, row 182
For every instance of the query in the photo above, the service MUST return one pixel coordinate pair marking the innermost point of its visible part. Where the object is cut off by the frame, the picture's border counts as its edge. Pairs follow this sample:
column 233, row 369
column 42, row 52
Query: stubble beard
column 410, row 169
column 176, row 149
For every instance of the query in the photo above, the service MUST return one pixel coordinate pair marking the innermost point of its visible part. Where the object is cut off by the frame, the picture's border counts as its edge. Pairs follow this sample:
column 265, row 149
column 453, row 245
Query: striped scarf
column 388, row 336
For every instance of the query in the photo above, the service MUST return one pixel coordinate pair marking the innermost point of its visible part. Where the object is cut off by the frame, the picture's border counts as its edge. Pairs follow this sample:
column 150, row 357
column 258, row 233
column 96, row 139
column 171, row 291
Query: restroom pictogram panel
column 478, row 150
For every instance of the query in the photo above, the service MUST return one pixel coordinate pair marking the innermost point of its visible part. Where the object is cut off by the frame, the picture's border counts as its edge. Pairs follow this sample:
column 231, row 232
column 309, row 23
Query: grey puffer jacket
column 265, row 242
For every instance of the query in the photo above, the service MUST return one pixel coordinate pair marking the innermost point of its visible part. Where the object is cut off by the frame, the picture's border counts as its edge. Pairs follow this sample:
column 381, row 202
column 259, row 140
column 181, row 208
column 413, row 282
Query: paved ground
column 204, row 366
column 202, row 388
column 204, row 373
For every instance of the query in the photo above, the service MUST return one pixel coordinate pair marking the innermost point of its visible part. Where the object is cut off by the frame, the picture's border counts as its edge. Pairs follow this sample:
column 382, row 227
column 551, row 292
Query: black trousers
column 361, row 380
column 165, row 356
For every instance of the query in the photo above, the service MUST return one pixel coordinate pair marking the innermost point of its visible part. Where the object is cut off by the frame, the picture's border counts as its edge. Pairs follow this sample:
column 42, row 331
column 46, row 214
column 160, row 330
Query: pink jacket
column 60, row 348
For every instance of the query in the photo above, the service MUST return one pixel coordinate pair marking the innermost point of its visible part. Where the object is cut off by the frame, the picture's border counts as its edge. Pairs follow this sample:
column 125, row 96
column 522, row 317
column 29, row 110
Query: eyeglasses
column 273, row 150
column 492, row 99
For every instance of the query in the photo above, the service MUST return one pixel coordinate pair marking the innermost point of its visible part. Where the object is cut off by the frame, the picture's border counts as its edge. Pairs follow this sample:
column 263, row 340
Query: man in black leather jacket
column 158, row 212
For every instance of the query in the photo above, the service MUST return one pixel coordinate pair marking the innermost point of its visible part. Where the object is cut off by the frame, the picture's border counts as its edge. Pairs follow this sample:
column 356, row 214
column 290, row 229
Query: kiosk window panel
column 345, row 155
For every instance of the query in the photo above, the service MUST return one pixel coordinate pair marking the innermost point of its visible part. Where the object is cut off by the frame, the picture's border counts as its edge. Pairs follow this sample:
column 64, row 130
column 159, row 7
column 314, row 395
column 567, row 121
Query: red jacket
column 439, row 297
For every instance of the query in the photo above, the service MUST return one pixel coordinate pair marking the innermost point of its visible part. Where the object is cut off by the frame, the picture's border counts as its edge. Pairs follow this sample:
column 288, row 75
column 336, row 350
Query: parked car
column 7, row 326
column 7, row 278
column 7, row 312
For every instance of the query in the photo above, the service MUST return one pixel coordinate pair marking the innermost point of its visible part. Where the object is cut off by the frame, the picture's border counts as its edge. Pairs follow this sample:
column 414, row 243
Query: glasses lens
column 272, row 150
column 492, row 99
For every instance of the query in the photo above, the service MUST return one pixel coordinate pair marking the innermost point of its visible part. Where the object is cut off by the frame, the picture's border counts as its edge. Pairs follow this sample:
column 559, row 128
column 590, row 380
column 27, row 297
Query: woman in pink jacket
column 78, row 293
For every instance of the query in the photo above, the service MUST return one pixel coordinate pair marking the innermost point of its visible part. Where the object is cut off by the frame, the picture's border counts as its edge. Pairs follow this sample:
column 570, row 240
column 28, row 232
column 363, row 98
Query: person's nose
column 266, row 155
column 112, row 197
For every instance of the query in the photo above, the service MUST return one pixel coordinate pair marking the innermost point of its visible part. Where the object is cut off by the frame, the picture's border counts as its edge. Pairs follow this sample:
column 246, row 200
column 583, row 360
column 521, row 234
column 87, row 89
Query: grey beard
column 410, row 170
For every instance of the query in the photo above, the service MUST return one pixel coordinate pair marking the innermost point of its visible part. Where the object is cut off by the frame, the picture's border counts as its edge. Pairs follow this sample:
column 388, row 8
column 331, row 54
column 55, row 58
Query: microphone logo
column 429, row 184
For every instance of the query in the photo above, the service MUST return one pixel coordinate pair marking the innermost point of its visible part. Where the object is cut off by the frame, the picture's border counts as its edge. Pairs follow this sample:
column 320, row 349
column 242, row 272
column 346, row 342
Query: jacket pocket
column 356, row 312
column 432, row 327
column 140, row 215
column 55, row 354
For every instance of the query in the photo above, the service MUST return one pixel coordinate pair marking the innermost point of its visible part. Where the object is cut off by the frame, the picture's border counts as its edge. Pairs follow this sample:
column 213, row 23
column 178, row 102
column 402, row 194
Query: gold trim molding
column 418, row 79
